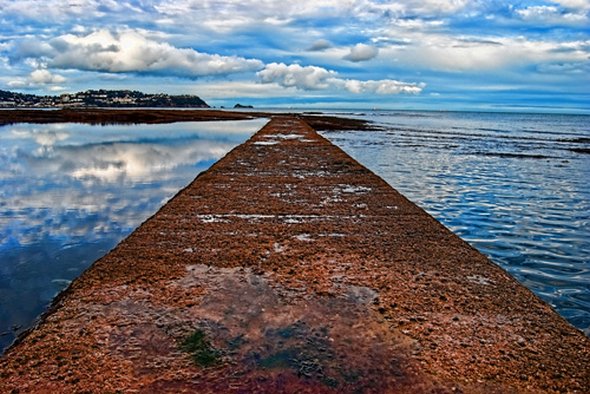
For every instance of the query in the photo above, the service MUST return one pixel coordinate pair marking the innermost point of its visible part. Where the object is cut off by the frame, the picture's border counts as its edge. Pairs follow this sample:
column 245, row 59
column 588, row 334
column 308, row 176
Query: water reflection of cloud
column 83, row 181
column 42, row 137
column 69, row 193
column 120, row 162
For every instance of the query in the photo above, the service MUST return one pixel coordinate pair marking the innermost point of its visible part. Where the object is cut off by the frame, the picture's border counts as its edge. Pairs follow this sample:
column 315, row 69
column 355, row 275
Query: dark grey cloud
column 361, row 53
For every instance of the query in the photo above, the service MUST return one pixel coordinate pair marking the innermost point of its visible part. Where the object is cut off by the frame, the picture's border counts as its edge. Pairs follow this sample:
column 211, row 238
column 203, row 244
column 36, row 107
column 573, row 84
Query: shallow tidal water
column 69, row 193
column 515, row 186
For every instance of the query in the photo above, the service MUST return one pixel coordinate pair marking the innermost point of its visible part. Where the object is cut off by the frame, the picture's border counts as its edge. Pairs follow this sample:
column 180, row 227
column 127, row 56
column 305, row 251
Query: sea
column 515, row 186
column 70, row 192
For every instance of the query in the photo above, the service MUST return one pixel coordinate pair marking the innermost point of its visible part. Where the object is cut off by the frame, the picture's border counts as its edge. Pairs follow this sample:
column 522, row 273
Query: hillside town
column 100, row 98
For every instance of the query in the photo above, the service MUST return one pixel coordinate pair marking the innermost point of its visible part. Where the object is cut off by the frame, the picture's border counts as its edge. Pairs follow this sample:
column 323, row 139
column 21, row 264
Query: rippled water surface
column 516, row 186
column 69, row 193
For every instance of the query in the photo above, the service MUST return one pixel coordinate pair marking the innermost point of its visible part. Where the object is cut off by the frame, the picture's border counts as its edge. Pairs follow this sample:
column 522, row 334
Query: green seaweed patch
column 201, row 350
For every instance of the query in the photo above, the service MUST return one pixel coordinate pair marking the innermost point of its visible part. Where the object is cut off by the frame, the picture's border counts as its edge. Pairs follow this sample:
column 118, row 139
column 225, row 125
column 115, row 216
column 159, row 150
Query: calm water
column 69, row 193
column 515, row 186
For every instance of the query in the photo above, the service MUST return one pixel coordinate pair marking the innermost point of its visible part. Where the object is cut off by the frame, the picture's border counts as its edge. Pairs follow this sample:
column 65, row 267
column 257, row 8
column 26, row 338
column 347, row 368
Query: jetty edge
column 290, row 267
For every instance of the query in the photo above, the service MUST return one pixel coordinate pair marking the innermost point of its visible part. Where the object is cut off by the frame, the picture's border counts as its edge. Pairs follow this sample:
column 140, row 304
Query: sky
column 428, row 54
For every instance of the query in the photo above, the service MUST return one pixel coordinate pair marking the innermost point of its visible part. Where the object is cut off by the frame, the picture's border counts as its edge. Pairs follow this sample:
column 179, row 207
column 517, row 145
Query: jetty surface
column 289, row 267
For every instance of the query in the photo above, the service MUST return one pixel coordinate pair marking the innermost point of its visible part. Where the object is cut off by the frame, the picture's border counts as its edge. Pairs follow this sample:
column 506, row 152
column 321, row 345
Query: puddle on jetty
column 260, row 336
column 70, row 192
column 513, row 185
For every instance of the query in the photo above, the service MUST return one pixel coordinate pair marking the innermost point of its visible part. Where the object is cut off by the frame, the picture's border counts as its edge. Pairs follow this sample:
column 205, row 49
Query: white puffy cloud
column 294, row 75
column 45, row 77
column 132, row 51
column 361, row 53
column 318, row 78
column 38, row 78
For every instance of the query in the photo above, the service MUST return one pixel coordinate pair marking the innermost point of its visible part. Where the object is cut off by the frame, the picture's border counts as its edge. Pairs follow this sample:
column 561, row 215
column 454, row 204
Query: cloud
column 552, row 15
column 242, row 89
column 304, row 9
column 117, row 154
column 442, row 40
column 422, row 8
column 45, row 138
column 232, row 14
column 5, row 46
column 126, row 161
column 44, row 77
column 574, row 4
column 318, row 78
column 446, row 52
column 579, row 68
column 435, row 6
column 294, row 75
column 361, row 53
column 59, row 11
column 320, row 45
column 38, row 78
column 131, row 51
column 386, row 86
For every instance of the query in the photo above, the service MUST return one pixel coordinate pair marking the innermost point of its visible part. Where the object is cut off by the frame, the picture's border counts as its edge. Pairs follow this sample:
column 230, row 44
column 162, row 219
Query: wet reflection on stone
column 70, row 192
column 275, row 339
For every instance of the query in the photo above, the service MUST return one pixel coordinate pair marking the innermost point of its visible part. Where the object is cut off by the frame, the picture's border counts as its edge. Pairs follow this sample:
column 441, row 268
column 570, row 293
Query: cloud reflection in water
column 70, row 192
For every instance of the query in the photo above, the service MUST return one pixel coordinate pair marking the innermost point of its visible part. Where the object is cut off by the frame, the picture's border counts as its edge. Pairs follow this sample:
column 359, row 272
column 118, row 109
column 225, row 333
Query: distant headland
column 100, row 98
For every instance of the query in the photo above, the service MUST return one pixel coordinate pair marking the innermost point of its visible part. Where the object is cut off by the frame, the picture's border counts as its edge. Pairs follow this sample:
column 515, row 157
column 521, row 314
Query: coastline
column 168, row 115
column 334, row 247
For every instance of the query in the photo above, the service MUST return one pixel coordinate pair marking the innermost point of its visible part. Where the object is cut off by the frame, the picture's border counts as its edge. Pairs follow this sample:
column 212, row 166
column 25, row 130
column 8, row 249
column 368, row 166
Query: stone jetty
column 289, row 267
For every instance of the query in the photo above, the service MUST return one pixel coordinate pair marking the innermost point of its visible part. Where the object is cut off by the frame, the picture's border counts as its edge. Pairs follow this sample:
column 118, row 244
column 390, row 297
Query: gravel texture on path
column 289, row 267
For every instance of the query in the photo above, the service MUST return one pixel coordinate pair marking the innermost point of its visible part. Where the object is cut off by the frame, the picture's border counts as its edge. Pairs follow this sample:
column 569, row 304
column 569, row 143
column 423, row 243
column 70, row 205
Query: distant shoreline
column 168, row 115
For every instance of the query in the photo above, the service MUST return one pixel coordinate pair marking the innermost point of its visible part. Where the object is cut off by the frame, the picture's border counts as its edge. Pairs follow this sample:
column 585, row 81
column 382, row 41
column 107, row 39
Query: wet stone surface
column 289, row 267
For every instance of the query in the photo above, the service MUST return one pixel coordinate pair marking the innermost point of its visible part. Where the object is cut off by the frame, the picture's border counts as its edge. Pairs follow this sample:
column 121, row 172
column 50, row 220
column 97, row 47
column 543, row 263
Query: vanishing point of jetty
column 289, row 267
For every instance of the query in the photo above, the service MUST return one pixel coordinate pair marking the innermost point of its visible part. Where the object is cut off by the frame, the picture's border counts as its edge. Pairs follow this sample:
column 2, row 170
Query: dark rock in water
column 242, row 106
